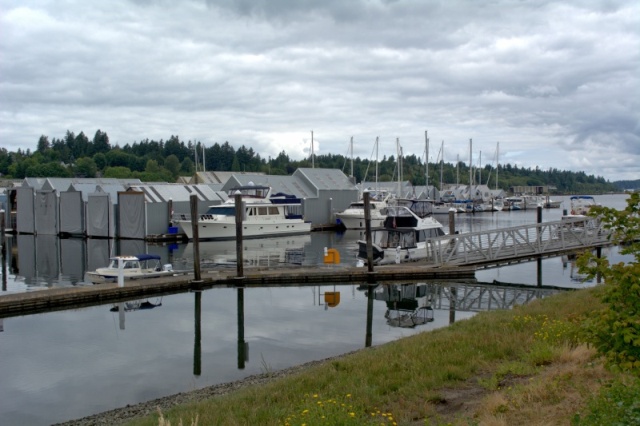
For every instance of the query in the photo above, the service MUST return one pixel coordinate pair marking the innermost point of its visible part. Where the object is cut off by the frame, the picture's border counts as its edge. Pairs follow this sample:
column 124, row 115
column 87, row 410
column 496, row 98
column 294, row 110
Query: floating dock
column 76, row 297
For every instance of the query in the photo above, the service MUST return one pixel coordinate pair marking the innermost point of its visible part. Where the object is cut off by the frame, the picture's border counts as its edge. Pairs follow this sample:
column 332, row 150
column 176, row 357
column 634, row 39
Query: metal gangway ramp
column 519, row 243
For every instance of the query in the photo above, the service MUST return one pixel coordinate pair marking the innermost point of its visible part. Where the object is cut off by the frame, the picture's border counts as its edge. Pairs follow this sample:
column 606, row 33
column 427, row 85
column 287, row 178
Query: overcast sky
column 556, row 83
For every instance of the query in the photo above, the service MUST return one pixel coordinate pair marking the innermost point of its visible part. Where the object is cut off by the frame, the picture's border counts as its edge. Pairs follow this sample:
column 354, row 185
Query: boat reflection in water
column 408, row 305
column 256, row 252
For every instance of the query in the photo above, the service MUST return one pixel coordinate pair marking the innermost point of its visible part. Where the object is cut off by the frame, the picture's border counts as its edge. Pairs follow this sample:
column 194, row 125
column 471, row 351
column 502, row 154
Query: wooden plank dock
column 76, row 297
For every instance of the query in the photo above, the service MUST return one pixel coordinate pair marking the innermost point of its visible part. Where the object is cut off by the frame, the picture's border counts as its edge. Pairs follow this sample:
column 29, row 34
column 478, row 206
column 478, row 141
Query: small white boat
column 264, row 216
column 581, row 204
column 515, row 203
column 134, row 267
column 353, row 216
column 405, row 235
column 440, row 207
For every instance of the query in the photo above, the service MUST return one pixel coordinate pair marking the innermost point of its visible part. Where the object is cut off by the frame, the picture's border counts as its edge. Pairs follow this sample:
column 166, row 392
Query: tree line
column 164, row 161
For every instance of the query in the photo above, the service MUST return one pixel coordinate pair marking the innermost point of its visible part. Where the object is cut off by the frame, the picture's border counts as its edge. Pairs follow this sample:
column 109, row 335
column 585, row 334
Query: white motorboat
column 581, row 204
column 440, row 207
column 264, row 216
column 405, row 235
column 134, row 267
column 353, row 216
column 515, row 202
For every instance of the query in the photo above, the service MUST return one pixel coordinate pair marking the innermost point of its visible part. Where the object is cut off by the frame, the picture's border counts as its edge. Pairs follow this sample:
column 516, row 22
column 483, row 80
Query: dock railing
column 499, row 246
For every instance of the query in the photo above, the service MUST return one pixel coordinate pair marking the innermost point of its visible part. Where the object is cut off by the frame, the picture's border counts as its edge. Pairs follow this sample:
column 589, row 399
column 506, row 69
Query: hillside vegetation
column 157, row 161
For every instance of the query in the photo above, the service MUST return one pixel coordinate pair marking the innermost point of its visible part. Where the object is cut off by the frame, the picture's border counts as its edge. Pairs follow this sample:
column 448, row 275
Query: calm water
column 64, row 365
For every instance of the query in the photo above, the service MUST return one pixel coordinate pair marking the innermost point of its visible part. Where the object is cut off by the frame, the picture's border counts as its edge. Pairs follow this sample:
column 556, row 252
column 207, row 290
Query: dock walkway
column 503, row 246
column 450, row 257
column 77, row 297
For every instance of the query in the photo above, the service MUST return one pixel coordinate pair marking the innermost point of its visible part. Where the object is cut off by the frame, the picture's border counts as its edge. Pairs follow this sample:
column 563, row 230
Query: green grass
column 405, row 379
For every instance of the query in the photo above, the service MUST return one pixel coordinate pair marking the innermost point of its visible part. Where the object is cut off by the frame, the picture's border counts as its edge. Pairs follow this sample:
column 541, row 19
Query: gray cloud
column 554, row 83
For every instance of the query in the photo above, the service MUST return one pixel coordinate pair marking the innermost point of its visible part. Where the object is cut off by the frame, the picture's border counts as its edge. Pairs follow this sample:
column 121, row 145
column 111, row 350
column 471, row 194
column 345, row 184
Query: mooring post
column 193, row 204
column 239, row 213
column 539, row 216
column 452, row 221
column 120, row 272
column 367, row 230
column 4, row 252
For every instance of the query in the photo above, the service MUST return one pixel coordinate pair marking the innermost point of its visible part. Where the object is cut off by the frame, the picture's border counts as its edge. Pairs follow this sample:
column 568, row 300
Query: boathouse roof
column 325, row 180
column 157, row 193
column 288, row 184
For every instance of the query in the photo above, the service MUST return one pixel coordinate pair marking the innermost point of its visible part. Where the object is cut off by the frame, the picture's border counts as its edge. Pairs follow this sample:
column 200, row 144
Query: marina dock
column 77, row 297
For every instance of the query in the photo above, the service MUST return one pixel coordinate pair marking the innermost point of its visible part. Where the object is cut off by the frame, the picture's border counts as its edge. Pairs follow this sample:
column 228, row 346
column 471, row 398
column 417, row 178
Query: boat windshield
column 222, row 210
column 128, row 264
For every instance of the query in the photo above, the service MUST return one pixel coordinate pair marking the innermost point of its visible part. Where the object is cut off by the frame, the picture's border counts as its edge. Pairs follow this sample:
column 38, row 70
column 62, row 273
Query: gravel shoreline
column 122, row 415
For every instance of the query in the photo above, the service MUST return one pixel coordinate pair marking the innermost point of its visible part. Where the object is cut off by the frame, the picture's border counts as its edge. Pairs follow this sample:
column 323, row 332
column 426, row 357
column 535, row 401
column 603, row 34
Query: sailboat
column 442, row 207
column 353, row 217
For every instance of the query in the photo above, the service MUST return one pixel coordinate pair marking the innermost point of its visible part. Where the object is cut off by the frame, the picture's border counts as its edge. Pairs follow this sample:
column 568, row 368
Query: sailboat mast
column 376, row 165
column 457, row 169
column 351, row 149
column 441, row 165
column 195, row 153
column 497, row 162
column 426, row 161
column 204, row 167
column 399, row 165
column 470, row 165
column 480, row 169
column 313, row 166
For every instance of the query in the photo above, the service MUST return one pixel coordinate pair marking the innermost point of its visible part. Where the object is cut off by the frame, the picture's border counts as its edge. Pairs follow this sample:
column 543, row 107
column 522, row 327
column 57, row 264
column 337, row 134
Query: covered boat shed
column 323, row 191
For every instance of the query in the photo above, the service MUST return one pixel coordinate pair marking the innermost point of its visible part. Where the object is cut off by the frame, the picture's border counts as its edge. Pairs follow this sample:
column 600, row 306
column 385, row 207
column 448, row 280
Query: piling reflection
column 197, row 333
column 370, row 296
column 133, row 305
column 243, row 352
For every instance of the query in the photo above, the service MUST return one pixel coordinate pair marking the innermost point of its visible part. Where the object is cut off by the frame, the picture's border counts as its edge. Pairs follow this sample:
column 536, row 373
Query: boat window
column 262, row 211
column 273, row 210
column 223, row 211
column 129, row 264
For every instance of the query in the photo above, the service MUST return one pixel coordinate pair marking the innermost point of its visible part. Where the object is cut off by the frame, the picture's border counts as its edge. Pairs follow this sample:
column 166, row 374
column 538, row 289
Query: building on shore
column 131, row 209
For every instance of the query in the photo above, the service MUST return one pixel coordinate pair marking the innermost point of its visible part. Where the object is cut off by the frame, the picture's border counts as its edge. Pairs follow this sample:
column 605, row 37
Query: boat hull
column 388, row 256
column 98, row 277
column 226, row 230
column 358, row 222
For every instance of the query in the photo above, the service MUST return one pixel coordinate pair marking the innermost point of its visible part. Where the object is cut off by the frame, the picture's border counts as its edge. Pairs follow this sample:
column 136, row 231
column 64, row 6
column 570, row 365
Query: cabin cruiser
column 405, row 236
column 353, row 216
column 134, row 267
column 263, row 216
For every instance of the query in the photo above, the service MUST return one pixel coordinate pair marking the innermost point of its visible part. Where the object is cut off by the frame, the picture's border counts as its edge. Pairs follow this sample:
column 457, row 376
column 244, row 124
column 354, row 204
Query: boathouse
column 323, row 191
